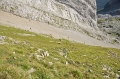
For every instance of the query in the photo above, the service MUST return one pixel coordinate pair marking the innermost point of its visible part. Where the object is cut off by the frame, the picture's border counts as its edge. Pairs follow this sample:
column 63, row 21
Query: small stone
column 13, row 52
column 61, row 53
column 45, row 54
column 59, row 42
column 31, row 55
column 119, row 70
column 23, row 55
column 84, row 55
column 31, row 70
column 10, row 38
column 39, row 57
column 65, row 56
column 66, row 63
column 112, row 73
column 14, row 57
column 56, row 59
column 104, row 68
column 25, row 43
column 39, row 50
column 31, row 47
column 107, row 76
column 50, row 63
column 90, row 70
column 2, row 38
column 16, row 42
column 117, row 76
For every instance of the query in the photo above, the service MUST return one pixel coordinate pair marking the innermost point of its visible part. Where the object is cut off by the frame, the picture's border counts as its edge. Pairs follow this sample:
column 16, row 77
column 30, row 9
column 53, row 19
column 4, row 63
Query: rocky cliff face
column 67, row 14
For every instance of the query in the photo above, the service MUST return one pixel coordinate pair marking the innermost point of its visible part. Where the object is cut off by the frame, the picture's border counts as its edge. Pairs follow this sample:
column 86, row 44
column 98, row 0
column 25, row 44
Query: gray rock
column 44, row 54
column 31, row 70
column 50, row 63
column 67, row 14
column 39, row 57
column 2, row 38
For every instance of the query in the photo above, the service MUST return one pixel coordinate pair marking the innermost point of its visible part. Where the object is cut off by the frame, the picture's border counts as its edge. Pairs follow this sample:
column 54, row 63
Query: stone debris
column 61, row 53
column 58, row 42
column 117, row 76
column 84, row 55
column 14, row 58
column 45, row 54
column 66, row 63
column 31, row 55
column 23, row 55
column 107, row 76
column 112, row 54
column 39, row 54
column 106, row 68
column 25, row 43
column 119, row 70
column 24, row 34
column 39, row 57
column 2, row 39
column 31, row 70
column 65, row 56
column 56, row 59
column 13, row 52
column 90, row 70
column 112, row 73
column 50, row 63
column 14, row 41
column 39, row 50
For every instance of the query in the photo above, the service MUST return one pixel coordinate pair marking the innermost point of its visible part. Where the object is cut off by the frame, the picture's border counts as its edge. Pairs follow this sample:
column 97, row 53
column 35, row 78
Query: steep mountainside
column 68, row 14
column 112, row 7
column 109, row 19
column 72, row 15
column 101, row 4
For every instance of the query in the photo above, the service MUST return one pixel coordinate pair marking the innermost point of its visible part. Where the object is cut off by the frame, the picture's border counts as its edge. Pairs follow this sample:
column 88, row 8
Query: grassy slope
column 84, row 62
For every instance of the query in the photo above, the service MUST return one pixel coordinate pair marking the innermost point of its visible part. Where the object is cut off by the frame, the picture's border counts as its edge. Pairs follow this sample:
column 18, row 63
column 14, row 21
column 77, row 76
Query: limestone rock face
column 67, row 14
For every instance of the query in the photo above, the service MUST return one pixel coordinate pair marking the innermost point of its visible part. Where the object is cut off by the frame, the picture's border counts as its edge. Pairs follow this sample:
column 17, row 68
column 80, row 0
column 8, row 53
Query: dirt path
column 43, row 28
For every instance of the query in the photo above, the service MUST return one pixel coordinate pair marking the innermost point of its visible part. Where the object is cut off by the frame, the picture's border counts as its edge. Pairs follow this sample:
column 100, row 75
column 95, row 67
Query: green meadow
column 23, row 56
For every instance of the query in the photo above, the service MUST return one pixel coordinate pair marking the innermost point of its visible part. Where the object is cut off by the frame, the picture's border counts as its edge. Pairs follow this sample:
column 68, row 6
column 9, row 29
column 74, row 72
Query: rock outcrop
column 110, row 26
column 109, row 20
column 68, row 14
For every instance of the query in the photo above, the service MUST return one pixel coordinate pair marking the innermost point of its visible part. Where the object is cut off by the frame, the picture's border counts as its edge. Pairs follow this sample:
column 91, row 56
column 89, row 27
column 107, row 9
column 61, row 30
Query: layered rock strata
column 68, row 14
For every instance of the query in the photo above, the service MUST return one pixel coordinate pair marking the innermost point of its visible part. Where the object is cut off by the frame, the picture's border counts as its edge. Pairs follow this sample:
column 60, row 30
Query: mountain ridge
column 58, row 14
column 54, row 13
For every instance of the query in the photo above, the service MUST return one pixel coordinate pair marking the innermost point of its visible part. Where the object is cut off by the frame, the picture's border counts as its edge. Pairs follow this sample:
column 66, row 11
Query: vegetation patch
column 27, row 55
